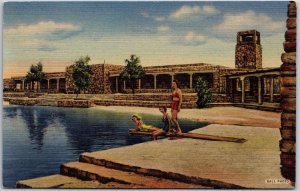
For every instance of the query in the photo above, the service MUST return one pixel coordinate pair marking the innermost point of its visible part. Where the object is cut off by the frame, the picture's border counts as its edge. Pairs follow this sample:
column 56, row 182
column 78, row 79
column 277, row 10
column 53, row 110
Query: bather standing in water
column 166, row 119
column 140, row 126
column 176, row 104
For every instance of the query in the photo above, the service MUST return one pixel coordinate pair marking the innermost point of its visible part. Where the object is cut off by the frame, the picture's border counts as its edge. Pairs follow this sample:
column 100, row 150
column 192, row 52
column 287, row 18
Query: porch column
column 23, row 84
column 191, row 80
column 39, row 86
column 57, row 84
column 172, row 77
column 124, row 83
column 139, row 81
column 48, row 84
column 272, row 89
column 259, row 90
column 117, row 83
column 154, row 75
column 243, row 89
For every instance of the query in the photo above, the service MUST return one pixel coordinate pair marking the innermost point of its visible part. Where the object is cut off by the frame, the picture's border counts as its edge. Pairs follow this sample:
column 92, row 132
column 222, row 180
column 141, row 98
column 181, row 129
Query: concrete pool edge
column 84, row 157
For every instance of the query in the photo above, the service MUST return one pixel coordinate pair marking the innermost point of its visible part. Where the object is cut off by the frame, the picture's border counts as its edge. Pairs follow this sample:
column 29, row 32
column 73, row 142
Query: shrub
column 203, row 92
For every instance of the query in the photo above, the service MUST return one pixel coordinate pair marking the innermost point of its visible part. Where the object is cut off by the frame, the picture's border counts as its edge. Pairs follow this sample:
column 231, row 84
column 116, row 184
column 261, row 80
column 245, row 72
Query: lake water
column 37, row 140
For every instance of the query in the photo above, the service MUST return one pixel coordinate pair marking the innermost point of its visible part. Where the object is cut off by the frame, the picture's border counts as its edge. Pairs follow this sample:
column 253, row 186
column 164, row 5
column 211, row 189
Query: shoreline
column 228, row 115
column 214, row 115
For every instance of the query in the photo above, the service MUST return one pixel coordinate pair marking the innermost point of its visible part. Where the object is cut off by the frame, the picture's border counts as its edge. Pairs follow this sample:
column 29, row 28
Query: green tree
column 35, row 74
column 132, row 71
column 82, row 74
column 203, row 92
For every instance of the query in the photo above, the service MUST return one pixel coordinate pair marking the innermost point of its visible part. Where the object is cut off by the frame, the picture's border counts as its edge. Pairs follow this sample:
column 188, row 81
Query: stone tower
column 248, row 51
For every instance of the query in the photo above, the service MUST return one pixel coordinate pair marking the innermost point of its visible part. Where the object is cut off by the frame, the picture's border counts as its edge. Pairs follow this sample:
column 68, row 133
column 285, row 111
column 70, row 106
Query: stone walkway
column 250, row 164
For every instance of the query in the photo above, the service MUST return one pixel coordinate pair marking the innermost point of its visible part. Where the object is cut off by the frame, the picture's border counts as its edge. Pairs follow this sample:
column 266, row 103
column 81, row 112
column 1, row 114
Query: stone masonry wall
column 70, row 87
column 182, row 68
column 99, row 79
column 248, row 54
column 108, row 69
column 288, row 94
column 258, row 56
column 177, row 68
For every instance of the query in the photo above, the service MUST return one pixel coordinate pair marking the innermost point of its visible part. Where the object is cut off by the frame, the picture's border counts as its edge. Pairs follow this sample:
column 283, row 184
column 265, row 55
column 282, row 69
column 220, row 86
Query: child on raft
column 140, row 126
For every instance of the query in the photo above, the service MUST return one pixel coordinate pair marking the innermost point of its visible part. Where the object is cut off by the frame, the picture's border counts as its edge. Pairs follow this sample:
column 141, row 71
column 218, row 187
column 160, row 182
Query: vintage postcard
column 182, row 94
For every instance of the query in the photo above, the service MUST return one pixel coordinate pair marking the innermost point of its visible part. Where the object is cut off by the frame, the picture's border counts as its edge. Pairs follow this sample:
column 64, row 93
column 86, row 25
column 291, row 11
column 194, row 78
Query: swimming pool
column 37, row 140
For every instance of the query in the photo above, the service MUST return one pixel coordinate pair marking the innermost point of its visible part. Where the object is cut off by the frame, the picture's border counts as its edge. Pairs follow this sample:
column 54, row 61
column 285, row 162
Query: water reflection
column 11, row 112
column 86, row 130
column 36, row 122
column 89, row 130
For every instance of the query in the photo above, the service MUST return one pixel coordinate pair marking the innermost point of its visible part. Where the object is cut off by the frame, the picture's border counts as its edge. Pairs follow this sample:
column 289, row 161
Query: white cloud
column 189, row 38
column 248, row 20
column 186, row 10
column 194, row 38
column 41, row 28
column 159, row 18
column 163, row 29
column 41, row 36
column 210, row 10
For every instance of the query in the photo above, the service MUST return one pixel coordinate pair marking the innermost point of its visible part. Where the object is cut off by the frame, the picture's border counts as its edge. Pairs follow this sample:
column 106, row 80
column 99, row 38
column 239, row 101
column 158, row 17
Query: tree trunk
column 78, row 92
column 132, row 86
column 33, row 85
column 38, row 86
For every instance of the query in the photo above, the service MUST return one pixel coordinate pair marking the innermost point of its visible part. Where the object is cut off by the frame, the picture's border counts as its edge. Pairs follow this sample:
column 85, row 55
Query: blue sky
column 161, row 33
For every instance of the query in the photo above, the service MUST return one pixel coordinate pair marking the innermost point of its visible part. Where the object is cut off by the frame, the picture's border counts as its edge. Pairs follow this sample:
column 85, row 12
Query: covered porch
column 50, row 85
column 161, row 82
column 260, row 87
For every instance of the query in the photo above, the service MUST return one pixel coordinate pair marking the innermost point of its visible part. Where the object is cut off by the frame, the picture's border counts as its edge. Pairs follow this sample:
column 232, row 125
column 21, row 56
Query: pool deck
column 248, row 164
column 212, row 164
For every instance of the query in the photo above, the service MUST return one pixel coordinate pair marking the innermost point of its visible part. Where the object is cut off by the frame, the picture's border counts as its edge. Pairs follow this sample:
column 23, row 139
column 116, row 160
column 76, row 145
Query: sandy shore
column 216, row 115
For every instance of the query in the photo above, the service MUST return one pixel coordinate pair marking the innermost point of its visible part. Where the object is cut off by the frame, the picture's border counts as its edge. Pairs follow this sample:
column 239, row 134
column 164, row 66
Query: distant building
column 247, row 82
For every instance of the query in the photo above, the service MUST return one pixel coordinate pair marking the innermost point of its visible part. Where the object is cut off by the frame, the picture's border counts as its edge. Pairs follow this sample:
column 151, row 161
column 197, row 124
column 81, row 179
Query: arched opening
column 163, row 81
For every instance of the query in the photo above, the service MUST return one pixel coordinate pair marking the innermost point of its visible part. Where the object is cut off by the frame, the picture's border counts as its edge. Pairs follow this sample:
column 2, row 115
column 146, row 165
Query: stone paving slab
column 250, row 164
column 61, row 181
column 93, row 172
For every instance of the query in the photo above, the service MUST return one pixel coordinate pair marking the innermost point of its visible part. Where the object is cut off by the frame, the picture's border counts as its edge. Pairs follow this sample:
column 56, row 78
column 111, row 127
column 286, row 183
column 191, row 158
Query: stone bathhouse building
column 247, row 82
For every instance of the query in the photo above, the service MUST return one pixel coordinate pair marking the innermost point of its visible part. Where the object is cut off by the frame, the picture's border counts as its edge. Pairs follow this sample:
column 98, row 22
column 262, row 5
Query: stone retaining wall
column 24, row 101
column 81, row 103
column 154, row 97
column 14, row 95
column 128, row 91
column 220, row 98
column 137, row 103
column 216, row 98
